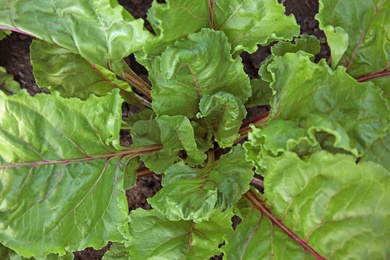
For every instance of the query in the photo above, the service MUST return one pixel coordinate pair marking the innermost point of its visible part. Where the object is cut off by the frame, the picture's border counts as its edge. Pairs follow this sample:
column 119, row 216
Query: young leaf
column 7, row 83
column 250, row 23
column 327, row 206
column 223, row 114
column 306, row 43
column 175, row 133
column 153, row 236
column 61, row 176
column 304, row 88
column 117, row 251
column 193, row 194
column 183, row 74
column 364, row 42
column 58, row 69
column 4, row 33
column 101, row 31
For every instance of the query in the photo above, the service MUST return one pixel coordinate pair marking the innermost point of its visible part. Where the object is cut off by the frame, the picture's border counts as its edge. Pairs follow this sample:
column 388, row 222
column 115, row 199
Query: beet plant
column 318, row 150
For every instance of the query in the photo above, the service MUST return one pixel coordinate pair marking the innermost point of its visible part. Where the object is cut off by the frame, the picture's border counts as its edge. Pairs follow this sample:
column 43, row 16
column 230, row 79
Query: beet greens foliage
column 321, row 151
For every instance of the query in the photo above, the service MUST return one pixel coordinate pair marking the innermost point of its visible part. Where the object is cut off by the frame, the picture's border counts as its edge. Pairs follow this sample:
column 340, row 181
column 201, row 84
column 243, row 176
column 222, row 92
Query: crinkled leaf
column 246, row 23
column 8, row 254
column 154, row 237
column 7, row 83
column 328, row 203
column 379, row 151
column 167, row 21
column 307, row 43
column 117, row 251
column 250, row 23
column 175, row 133
column 101, row 31
column 59, row 69
column 223, row 113
column 304, row 88
column 193, row 194
column 357, row 33
column 61, row 181
column 183, row 74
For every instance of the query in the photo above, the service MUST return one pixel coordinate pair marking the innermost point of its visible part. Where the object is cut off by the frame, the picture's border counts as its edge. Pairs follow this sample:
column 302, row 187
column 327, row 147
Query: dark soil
column 14, row 56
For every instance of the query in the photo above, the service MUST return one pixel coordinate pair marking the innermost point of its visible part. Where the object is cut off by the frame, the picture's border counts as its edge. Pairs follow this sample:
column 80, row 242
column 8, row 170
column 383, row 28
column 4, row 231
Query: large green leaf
column 196, row 66
column 61, row 173
column 329, row 204
column 362, row 45
column 246, row 23
column 59, row 69
column 7, row 83
column 379, row 151
column 249, row 23
column 175, row 133
column 193, row 194
column 331, row 99
column 155, row 237
column 223, row 113
column 101, row 31
column 117, row 251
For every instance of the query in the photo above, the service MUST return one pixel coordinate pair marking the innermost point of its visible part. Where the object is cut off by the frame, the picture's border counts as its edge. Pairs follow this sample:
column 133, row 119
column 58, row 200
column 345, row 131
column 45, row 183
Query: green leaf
column 329, row 203
column 306, row 43
column 61, row 177
column 130, row 173
column 117, row 251
column 261, row 93
column 4, row 33
column 183, row 74
column 193, row 193
column 101, row 31
column 223, row 113
column 175, row 133
column 154, row 237
column 379, row 151
column 245, row 23
column 362, row 45
column 146, row 114
column 250, row 23
column 8, row 254
column 7, row 83
column 167, row 21
column 304, row 89
column 59, row 69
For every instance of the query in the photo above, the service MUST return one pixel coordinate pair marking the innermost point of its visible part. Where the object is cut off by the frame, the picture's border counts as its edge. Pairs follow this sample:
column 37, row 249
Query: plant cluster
column 319, row 146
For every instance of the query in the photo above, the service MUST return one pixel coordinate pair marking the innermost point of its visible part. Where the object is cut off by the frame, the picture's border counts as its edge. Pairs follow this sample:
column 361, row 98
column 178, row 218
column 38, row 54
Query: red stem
column 136, row 81
column 130, row 152
column 259, row 204
column 245, row 128
column 379, row 74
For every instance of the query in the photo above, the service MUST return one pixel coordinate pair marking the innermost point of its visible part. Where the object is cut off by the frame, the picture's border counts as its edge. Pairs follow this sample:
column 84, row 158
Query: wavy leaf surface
column 193, row 194
column 314, row 95
column 183, row 74
column 327, row 207
column 174, row 133
column 361, row 46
